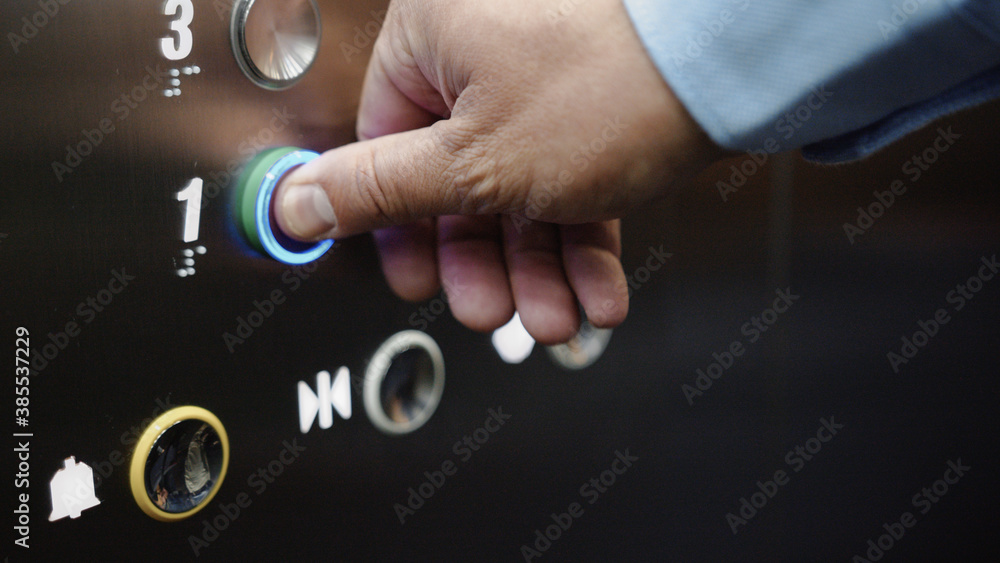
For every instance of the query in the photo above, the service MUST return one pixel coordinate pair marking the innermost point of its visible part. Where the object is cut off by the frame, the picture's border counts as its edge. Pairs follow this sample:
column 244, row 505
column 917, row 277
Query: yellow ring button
column 179, row 463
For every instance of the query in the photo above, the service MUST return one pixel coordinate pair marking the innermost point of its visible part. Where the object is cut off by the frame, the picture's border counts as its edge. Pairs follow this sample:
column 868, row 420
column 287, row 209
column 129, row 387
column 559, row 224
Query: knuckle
column 472, row 176
column 485, row 177
column 374, row 197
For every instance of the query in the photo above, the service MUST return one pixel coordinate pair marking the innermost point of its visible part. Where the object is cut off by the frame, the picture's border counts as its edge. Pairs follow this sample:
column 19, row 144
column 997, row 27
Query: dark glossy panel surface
column 89, row 260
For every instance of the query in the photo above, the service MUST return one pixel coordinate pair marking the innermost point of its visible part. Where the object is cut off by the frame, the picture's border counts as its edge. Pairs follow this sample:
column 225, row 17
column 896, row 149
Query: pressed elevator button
column 253, row 206
column 275, row 41
column 179, row 462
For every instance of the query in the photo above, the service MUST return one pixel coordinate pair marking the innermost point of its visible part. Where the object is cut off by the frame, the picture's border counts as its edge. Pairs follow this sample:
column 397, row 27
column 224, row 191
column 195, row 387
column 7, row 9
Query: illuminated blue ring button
column 262, row 213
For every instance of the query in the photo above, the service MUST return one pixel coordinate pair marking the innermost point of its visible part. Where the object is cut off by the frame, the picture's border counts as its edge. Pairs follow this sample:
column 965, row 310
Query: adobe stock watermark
column 752, row 330
column 958, row 298
column 786, row 126
column 227, row 513
column 463, row 174
column 224, row 9
column 363, row 36
column 84, row 313
column 913, row 168
column 563, row 10
column 901, row 14
column 655, row 260
column 122, row 107
column 36, row 22
column 796, row 459
column 591, row 491
column 105, row 468
column 293, row 278
column 713, row 29
column 464, row 449
column 581, row 159
column 924, row 500
column 426, row 314
column 248, row 148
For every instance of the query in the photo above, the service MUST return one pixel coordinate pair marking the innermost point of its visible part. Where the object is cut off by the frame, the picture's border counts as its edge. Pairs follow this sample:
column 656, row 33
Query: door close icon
column 328, row 396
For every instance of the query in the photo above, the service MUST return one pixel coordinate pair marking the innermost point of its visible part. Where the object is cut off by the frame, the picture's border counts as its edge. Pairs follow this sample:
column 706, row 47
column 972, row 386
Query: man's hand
column 499, row 142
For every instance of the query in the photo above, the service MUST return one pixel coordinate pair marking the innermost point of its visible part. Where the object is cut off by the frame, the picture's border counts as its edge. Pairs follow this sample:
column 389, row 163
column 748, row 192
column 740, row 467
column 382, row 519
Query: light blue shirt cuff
column 841, row 78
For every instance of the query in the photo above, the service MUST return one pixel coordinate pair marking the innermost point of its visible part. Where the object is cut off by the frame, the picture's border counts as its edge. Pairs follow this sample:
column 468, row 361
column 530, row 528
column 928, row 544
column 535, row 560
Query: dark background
column 160, row 339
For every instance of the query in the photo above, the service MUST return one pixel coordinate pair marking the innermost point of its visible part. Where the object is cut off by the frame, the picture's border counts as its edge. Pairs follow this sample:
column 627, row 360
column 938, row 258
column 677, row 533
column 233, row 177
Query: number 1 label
column 192, row 212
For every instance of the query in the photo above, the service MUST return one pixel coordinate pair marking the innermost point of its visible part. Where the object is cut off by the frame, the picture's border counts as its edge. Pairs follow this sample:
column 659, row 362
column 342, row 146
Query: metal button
column 404, row 382
column 179, row 463
column 275, row 41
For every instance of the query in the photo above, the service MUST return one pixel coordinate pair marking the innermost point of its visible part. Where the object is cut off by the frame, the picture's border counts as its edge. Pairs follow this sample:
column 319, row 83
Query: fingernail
column 307, row 211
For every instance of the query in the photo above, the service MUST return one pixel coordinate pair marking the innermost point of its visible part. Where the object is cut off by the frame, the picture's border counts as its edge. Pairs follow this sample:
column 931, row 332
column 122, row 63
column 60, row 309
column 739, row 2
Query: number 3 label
column 176, row 48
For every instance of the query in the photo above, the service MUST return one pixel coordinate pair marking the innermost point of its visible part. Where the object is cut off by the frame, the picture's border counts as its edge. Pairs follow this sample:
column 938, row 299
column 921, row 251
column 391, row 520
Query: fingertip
column 551, row 323
column 594, row 270
column 609, row 314
column 304, row 211
column 481, row 308
column 473, row 272
column 544, row 299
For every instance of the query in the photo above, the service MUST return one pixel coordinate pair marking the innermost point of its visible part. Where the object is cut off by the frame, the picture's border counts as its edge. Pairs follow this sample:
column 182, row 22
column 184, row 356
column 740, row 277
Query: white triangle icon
column 326, row 398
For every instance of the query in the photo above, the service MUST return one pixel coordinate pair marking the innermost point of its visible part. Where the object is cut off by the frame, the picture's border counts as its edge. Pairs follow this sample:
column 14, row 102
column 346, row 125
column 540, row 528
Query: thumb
column 390, row 180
